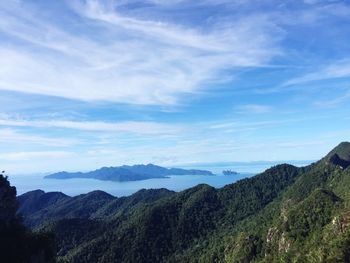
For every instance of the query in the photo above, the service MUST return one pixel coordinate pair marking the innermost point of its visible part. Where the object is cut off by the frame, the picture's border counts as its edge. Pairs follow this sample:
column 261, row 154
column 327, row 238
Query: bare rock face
column 272, row 233
column 341, row 223
column 283, row 244
column 275, row 238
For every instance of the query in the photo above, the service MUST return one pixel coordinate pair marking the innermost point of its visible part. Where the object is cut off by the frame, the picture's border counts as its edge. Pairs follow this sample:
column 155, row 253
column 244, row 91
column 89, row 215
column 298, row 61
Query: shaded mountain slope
column 18, row 244
column 33, row 201
column 38, row 207
column 342, row 150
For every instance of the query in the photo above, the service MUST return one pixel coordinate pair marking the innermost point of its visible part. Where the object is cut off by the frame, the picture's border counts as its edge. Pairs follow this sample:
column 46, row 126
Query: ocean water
column 79, row 186
column 72, row 187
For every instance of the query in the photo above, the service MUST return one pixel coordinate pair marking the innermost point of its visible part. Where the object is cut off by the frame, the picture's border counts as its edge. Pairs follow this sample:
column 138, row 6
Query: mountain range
column 128, row 173
column 285, row 214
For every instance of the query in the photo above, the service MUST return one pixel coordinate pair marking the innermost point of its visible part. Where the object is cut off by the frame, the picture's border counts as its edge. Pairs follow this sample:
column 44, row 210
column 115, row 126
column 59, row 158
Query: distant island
column 229, row 172
column 128, row 173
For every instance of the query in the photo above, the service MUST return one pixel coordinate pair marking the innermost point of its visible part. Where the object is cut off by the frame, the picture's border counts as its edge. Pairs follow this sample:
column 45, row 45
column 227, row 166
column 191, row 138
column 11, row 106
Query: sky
column 91, row 83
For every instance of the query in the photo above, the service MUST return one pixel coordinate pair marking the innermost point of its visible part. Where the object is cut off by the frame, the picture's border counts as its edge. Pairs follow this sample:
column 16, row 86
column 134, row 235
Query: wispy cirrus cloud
column 30, row 155
column 131, row 59
column 15, row 137
column 335, row 70
column 254, row 109
column 135, row 127
column 333, row 102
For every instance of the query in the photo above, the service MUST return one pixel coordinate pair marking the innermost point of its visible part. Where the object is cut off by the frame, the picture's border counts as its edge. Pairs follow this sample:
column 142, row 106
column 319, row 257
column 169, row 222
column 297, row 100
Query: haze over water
column 72, row 187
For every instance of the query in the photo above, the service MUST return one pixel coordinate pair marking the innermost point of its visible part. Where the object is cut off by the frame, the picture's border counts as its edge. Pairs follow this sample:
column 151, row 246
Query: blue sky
column 87, row 83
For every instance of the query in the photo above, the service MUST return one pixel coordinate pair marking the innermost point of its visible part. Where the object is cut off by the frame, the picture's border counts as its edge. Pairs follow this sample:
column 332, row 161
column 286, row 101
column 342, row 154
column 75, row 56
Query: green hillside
column 285, row 214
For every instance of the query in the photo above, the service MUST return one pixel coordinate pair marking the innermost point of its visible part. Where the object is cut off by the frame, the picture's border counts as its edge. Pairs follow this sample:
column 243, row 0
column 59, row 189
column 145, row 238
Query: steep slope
column 342, row 150
column 310, row 223
column 17, row 244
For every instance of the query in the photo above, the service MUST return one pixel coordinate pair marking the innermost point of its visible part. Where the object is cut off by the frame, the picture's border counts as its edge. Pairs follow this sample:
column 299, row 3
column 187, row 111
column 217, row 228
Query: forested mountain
column 285, row 214
column 18, row 244
column 37, row 206
column 128, row 173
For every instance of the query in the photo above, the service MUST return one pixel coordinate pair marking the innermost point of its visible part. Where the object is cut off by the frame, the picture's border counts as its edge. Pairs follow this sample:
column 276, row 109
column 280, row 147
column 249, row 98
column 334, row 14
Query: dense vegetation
column 285, row 214
column 17, row 244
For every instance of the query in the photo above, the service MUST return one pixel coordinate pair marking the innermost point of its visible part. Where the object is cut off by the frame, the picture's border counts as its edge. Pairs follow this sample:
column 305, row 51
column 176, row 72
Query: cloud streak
column 254, row 109
column 335, row 70
column 142, row 128
column 146, row 62
column 329, row 103
column 26, row 156
column 15, row 137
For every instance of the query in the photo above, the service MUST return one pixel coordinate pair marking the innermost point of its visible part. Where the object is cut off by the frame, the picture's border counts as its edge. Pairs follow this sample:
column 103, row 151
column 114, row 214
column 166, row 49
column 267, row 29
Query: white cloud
column 26, row 156
column 129, row 60
column 249, row 124
column 333, row 102
column 143, row 128
column 159, row 31
column 254, row 109
column 15, row 137
column 338, row 69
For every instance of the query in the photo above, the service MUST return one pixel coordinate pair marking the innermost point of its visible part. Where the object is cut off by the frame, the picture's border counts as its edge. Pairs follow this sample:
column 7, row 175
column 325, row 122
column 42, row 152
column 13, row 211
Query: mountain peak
column 342, row 150
column 340, row 155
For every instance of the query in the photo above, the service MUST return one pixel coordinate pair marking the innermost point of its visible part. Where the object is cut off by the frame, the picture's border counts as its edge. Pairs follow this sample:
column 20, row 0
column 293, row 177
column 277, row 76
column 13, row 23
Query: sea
column 72, row 187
